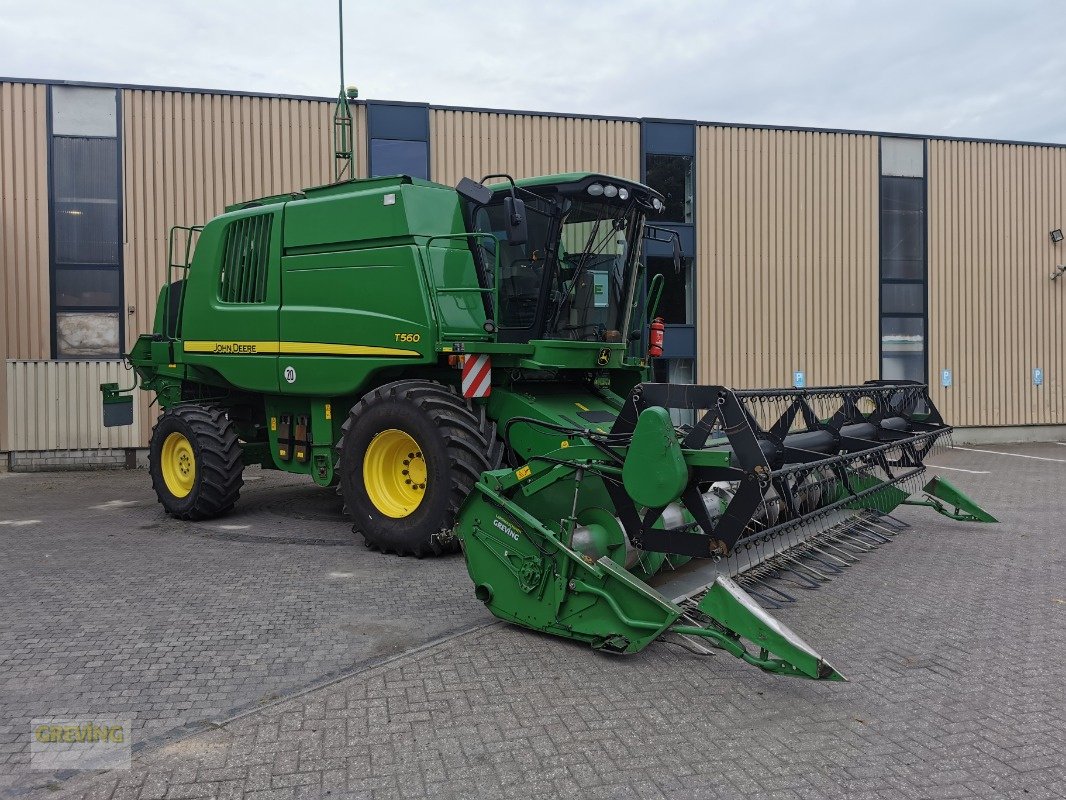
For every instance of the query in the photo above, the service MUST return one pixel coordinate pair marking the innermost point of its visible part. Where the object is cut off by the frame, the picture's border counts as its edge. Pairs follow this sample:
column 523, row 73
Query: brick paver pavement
column 109, row 607
column 952, row 637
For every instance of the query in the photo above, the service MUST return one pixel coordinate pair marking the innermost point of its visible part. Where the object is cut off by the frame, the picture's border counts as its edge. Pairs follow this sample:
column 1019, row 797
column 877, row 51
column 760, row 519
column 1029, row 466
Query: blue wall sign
column 799, row 379
column 945, row 378
column 1038, row 376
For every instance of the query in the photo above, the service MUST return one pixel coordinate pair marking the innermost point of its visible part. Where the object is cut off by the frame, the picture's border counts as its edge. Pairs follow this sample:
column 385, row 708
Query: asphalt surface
column 333, row 671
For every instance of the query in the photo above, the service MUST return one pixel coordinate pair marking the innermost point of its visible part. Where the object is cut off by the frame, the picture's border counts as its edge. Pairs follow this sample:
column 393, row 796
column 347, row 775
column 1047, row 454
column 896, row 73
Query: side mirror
column 517, row 225
column 677, row 253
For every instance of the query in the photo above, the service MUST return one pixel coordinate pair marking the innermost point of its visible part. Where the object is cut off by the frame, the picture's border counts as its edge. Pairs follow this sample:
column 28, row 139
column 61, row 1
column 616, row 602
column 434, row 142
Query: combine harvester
column 470, row 366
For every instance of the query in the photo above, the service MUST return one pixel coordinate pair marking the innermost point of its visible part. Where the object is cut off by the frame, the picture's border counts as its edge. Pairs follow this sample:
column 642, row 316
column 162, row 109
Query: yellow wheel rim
column 394, row 473
column 179, row 464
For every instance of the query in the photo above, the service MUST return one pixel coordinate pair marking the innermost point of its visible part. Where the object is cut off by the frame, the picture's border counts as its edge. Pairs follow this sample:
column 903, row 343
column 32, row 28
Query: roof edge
column 528, row 113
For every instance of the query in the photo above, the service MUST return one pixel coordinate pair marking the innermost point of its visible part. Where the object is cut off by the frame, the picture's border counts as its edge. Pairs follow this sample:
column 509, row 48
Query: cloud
column 950, row 68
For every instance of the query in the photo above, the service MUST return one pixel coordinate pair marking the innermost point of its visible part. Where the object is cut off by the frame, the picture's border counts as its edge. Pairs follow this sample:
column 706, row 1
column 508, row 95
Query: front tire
column 411, row 452
column 194, row 459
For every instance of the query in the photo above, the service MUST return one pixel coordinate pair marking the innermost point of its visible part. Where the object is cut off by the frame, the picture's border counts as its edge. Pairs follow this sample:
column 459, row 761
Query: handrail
column 190, row 232
column 494, row 290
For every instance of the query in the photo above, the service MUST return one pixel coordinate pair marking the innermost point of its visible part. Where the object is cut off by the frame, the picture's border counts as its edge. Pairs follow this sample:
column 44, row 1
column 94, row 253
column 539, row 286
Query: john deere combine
column 470, row 366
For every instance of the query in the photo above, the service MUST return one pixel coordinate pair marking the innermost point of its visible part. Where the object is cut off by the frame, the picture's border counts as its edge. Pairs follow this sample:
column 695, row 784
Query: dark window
column 675, row 307
column 86, row 224
column 88, row 287
column 903, row 269
column 903, row 260
column 84, row 168
column 902, row 298
column 399, row 157
column 521, row 268
column 671, row 176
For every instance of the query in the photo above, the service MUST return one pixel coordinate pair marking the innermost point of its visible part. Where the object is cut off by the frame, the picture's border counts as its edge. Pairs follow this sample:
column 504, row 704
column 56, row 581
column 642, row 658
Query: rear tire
column 410, row 454
column 194, row 459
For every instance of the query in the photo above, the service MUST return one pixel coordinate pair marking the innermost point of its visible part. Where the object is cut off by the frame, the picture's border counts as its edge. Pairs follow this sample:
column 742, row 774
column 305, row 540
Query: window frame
column 922, row 281
column 54, row 307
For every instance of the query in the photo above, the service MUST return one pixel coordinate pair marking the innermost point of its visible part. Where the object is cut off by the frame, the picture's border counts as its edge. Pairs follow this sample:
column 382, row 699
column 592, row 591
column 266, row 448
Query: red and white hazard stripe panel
column 477, row 376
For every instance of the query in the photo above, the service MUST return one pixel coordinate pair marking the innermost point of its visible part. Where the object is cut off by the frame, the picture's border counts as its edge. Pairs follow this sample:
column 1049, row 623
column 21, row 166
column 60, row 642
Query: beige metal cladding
column 55, row 405
column 787, row 256
column 994, row 313
column 24, row 307
column 476, row 143
column 186, row 156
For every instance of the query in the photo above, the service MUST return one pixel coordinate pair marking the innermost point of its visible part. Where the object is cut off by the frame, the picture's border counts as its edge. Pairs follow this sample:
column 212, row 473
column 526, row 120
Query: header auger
column 469, row 366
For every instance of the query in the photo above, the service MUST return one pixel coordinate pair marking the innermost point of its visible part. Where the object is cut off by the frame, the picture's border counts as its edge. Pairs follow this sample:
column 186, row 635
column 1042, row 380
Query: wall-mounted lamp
column 1061, row 268
column 1056, row 236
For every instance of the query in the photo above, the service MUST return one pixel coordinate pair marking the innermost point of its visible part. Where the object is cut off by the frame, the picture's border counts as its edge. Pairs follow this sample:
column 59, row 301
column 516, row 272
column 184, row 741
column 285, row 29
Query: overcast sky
column 984, row 69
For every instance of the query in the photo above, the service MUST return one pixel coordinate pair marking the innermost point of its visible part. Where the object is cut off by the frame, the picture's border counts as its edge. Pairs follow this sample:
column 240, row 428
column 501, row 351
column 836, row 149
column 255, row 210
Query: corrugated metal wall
column 476, row 143
column 186, row 156
column 787, row 256
column 55, row 405
column 787, row 229
column 994, row 314
column 24, row 303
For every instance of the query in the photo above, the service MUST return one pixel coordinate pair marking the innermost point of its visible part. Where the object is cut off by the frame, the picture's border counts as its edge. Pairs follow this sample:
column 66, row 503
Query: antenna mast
column 343, row 167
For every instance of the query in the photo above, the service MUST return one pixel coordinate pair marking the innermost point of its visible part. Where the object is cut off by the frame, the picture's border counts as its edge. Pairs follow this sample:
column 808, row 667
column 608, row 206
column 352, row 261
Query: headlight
column 595, row 190
column 610, row 191
column 657, row 204
column 623, row 193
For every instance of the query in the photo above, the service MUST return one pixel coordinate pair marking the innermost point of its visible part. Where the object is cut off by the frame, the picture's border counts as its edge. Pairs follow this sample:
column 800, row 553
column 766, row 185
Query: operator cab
column 568, row 249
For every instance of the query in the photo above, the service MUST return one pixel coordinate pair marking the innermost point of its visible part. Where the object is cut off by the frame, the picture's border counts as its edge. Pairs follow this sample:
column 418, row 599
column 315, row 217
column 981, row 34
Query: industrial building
column 812, row 257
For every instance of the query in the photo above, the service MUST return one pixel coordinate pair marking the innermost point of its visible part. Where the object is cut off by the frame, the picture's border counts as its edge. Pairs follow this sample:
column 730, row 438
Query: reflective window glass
column 902, row 298
column 84, row 169
column 88, row 287
column 399, row 157
column 671, row 176
column 86, row 232
column 675, row 307
column 81, row 334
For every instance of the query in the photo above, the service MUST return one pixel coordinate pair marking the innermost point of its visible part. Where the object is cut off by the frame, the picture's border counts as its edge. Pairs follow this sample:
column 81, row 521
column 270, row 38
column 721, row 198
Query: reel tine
column 803, row 582
column 864, row 534
column 893, row 521
column 847, row 556
column 856, row 549
column 809, row 553
column 841, row 562
column 795, row 562
column 767, row 602
column 785, row 596
column 885, row 531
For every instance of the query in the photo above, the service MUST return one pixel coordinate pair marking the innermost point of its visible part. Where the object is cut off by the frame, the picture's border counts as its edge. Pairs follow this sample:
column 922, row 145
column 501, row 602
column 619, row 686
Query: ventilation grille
column 245, row 255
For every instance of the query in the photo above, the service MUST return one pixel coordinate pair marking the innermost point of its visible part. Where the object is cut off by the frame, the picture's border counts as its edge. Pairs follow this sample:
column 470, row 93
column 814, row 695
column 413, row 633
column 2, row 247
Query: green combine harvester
column 471, row 366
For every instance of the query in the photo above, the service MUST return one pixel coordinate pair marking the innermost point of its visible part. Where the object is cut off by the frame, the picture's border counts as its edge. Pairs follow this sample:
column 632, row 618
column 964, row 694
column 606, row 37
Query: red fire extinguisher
column 656, row 332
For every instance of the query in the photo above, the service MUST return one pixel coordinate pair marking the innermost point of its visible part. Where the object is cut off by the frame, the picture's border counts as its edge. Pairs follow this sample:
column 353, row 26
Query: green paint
column 655, row 472
column 364, row 282
column 958, row 505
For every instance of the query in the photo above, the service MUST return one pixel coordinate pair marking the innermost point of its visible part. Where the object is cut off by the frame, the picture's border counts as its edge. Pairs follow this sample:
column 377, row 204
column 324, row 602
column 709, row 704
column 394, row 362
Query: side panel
column 348, row 314
column 238, row 339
